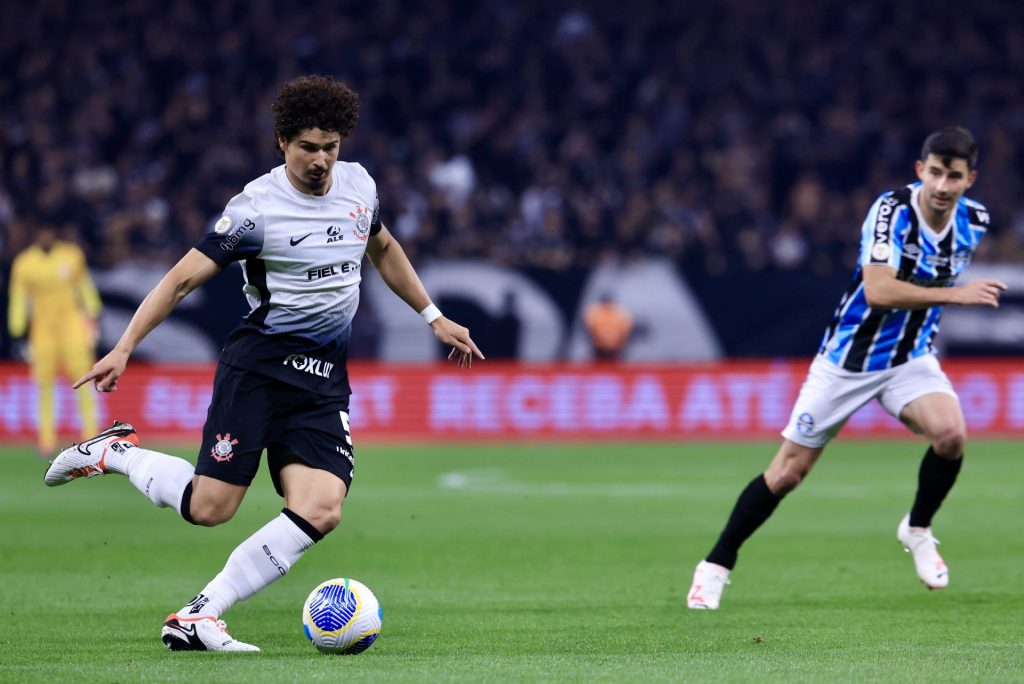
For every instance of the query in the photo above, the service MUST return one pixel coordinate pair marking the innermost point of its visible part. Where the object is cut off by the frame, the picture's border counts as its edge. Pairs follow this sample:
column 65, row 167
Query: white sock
column 255, row 563
column 162, row 478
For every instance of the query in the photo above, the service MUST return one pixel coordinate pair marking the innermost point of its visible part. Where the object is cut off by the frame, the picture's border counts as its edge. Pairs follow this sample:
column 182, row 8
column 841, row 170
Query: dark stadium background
column 707, row 163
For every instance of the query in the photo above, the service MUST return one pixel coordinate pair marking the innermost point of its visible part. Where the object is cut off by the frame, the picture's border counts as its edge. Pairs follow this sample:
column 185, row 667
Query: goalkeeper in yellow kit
column 53, row 298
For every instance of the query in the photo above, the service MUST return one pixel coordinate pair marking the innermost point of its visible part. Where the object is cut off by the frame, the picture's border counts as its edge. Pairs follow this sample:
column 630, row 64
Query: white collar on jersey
column 915, row 197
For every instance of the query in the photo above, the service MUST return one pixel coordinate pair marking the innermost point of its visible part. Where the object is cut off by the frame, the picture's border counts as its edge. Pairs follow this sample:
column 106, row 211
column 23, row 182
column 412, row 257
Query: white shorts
column 830, row 395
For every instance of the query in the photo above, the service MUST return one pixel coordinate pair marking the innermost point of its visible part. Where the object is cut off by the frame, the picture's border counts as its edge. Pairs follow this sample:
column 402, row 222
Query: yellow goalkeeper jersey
column 53, row 289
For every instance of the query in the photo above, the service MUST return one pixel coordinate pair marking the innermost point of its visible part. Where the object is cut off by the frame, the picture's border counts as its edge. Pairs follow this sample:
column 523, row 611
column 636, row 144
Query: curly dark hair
column 315, row 102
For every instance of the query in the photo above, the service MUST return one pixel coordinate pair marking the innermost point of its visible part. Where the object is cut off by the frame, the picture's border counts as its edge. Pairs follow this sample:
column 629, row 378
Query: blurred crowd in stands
column 727, row 135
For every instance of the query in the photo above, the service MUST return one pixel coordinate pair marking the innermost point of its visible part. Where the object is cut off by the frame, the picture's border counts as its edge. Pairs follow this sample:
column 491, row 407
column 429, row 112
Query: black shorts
column 251, row 412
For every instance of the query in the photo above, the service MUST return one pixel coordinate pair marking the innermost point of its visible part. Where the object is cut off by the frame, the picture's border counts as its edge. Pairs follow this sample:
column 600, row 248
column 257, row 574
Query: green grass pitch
column 538, row 563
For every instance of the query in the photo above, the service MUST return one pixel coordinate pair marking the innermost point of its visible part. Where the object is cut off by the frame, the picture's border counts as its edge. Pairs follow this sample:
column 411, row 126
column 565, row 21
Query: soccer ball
column 342, row 616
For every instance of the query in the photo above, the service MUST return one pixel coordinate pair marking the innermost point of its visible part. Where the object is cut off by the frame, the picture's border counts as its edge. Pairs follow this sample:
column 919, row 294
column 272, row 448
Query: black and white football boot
column 86, row 459
column 201, row 634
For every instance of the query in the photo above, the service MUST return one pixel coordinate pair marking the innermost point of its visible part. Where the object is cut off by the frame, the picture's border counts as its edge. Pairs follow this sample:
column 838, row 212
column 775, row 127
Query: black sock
column 934, row 481
column 186, row 503
column 755, row 505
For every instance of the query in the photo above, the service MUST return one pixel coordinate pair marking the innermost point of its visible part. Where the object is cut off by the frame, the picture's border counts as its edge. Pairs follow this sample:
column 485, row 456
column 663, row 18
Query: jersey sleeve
column 978, row 217
column 237, row 235
column 375, row 224
column 882, row 233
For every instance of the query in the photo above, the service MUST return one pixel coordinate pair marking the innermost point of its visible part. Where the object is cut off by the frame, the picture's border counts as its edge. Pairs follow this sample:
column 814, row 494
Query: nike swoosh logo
column 189, row 631
column 83, row 448
column 295, row 241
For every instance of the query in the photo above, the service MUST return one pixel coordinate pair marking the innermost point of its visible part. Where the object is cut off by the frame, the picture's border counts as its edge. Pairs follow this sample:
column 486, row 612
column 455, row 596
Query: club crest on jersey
column 222, row 450
column 805, row 424
column 362, row 217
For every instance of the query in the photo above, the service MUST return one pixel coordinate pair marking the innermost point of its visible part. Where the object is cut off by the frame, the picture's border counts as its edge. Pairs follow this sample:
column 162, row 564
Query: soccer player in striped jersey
column 915, row 242
column 301, row 232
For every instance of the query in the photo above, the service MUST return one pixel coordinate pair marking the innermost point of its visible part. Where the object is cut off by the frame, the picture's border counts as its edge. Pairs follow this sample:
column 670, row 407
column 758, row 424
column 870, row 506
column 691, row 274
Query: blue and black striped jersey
column 865, row 338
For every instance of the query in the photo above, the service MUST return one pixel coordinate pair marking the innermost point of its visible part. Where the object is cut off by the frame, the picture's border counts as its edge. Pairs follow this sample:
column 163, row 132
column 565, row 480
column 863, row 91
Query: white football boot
column 201, row 634
column 919, row 542
column 86, row 459
column 709, row 581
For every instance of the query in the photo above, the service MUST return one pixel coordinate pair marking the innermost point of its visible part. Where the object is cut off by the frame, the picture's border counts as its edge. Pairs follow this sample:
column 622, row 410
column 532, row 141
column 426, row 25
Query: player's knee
column 327, row 519
column 949, row 441
column 324, row 518
column 784, row 481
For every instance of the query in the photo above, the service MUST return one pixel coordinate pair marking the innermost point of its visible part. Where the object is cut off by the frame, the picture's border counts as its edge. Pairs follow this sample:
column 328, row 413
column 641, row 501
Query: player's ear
column 919, row 167
column 971, row 177
column 282, row 143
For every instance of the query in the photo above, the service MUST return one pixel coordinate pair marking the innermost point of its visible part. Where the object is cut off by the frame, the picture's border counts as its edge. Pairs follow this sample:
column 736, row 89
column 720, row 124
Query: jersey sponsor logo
column 347, row 453
column 320, row 273
column 295, row 241
column 223, row 449
column 881, row 249
column 334, row 234
column 362, row 217
column 307, row 364
column 328, row 271
column 222, row 225
column 231, row 241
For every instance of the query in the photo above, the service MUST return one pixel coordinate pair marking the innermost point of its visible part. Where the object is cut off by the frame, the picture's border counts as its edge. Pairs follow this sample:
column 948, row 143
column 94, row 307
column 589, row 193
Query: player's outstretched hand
column 463, row 346
column 105, row 372
column 983, row 292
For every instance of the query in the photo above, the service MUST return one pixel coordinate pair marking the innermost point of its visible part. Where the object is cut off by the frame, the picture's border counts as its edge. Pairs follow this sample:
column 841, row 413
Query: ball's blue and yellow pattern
column 342, row 616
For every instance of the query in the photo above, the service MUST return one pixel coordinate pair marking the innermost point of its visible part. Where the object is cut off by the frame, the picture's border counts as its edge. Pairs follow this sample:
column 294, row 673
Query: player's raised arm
column 394, row 267
column 883, row 290
column 194, row 269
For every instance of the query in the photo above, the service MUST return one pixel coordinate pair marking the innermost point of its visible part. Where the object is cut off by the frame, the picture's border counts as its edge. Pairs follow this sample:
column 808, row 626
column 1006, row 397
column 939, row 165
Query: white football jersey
column 301, row 257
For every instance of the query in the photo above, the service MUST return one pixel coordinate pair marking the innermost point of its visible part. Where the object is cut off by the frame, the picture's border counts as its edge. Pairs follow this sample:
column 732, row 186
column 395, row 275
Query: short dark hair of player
column 315, row 102
column 950, row 142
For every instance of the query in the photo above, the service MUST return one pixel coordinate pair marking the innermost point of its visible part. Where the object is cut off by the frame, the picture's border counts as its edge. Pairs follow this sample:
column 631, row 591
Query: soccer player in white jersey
column 914, row 243
column 300, row 232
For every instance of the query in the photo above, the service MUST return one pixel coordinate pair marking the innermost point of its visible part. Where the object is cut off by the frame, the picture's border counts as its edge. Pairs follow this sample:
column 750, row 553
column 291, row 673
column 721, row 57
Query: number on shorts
column 344, row 424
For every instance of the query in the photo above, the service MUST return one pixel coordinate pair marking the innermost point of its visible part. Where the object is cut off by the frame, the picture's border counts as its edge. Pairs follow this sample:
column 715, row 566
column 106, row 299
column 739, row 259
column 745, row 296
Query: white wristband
column 430, row 314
